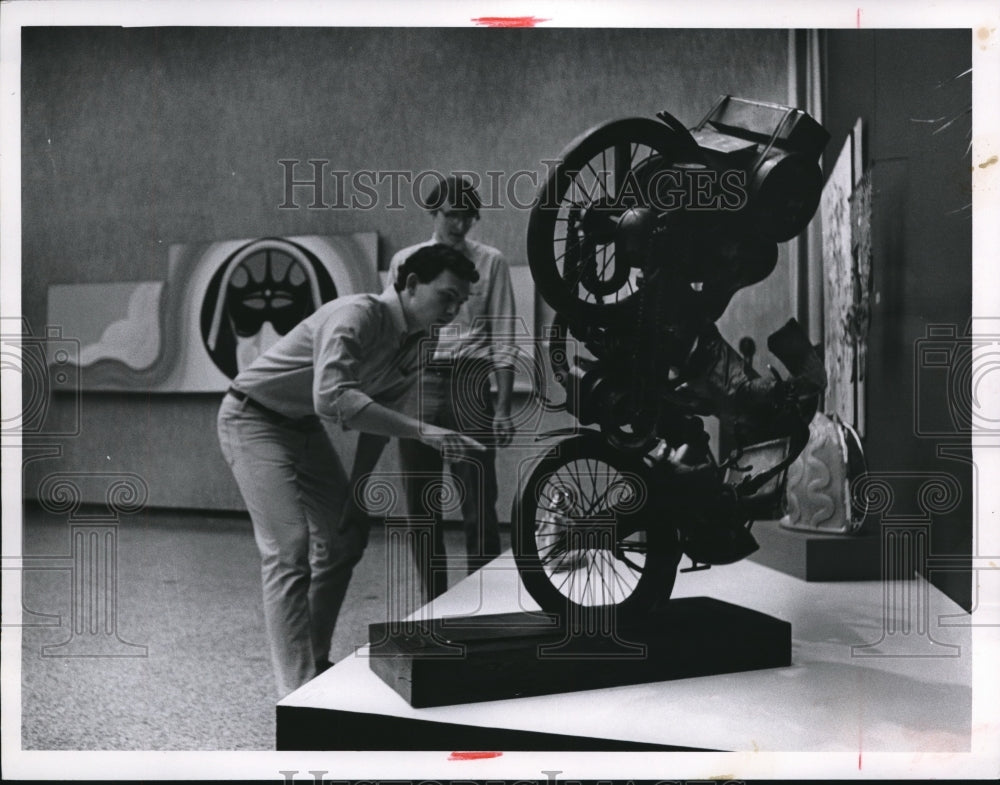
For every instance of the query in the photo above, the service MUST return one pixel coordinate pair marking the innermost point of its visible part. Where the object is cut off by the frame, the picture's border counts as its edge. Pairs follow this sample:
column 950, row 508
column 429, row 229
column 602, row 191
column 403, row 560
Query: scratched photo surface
column 184, row 179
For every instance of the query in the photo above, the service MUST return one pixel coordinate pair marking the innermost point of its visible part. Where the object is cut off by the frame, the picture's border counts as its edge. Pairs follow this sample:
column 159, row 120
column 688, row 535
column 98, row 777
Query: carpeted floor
column 188, row 668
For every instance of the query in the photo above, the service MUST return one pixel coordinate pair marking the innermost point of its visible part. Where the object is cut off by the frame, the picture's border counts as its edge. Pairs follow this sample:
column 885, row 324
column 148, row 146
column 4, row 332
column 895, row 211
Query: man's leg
column 263, row 460
column 422, row 476
column 477, row 473
column 471, row 411
column 338, row 529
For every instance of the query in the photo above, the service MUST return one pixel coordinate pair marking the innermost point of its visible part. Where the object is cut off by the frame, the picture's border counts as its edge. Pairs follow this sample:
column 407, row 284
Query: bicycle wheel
column 572, row 227
column 585, row 533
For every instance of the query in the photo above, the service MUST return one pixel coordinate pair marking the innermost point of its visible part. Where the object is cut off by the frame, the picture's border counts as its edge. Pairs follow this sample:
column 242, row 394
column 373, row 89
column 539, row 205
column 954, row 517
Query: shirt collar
column 462, row 248
column 390, row 298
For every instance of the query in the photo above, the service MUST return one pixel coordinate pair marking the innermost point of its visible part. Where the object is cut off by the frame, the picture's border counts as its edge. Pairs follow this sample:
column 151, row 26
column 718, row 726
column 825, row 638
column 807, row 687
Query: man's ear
column 411, row 282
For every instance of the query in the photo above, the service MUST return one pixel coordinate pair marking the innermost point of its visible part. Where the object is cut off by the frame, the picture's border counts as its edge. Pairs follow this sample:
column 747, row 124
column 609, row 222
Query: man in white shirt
column 455, row 387
column 352, row 364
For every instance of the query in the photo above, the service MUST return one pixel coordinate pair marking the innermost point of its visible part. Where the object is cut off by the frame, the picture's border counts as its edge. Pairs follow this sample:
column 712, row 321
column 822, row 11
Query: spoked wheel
column 586, row 533
column 573, row 228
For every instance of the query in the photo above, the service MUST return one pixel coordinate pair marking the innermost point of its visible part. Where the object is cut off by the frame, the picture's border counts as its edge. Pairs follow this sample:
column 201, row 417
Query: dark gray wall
column 922, row 258
column 136, row 139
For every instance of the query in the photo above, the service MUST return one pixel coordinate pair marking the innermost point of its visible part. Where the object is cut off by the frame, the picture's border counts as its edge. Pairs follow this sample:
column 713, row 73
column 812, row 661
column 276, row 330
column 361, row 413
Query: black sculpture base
column 818, row 557
column 479, row 658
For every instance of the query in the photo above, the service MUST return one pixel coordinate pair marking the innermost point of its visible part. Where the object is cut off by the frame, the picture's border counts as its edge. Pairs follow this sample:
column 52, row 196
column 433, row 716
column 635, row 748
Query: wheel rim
column 588, row 534
column 571, row 237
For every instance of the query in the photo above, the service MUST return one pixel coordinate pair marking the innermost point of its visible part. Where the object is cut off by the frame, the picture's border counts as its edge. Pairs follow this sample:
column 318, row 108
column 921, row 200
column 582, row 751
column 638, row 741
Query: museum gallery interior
column 740, row 333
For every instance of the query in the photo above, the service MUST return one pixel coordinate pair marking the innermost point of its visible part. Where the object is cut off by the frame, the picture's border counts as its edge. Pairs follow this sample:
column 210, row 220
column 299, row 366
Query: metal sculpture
column 640, row 236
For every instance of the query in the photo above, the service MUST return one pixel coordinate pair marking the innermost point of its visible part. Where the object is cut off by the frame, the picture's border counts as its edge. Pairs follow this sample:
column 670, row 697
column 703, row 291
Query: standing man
column 352, row 362
column 455, row 387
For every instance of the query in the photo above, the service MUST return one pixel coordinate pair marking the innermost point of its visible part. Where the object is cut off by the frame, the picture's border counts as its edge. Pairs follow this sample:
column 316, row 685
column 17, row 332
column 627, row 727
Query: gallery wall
column 912, row 91
column 136, row 139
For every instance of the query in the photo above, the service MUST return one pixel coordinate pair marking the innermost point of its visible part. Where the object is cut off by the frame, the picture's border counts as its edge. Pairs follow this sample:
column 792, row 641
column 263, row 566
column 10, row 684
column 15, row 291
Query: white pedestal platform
column 872, row 668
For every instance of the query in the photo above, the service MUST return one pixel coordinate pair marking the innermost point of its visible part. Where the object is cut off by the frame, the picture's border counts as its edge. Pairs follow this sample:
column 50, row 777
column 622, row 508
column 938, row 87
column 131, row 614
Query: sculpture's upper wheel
column 572, row 227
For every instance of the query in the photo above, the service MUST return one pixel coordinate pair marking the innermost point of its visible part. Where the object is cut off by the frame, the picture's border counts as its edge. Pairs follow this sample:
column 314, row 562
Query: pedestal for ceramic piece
column 818, row 557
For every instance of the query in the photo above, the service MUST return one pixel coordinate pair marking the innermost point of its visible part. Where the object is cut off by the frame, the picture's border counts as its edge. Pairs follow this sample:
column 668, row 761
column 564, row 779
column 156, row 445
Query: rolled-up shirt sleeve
column 337, row 351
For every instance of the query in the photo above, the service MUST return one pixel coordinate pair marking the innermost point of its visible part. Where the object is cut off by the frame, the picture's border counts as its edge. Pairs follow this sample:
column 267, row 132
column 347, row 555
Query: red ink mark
column 473, row 755
column 861, row 718
column 859, row 19
column 507, row 21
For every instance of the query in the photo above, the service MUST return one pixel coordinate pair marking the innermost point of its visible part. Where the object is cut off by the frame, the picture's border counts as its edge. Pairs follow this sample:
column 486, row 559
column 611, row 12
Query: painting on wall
column 845, row 208
column 222, row 304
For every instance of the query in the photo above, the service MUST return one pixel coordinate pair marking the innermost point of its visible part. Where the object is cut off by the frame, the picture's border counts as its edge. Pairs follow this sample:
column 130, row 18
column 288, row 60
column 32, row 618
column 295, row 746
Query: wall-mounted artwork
column 222, row 304
column 846, row 219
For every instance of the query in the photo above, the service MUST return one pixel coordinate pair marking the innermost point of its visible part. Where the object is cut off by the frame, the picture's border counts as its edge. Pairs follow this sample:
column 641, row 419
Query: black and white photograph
column 457, row 391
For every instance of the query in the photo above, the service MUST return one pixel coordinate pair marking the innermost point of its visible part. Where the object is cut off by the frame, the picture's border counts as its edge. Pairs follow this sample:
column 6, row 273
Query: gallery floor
column 188, row 599
column 195, row 675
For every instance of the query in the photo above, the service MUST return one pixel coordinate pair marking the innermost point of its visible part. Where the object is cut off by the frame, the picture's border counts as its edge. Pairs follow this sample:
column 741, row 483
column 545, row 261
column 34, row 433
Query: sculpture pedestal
column 824, row 702
column 456, row 660
column 818, row 557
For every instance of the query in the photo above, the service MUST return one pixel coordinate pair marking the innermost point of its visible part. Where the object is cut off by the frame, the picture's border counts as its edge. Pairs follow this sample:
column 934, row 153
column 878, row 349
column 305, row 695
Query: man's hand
column 451, row 444
column 503, row 429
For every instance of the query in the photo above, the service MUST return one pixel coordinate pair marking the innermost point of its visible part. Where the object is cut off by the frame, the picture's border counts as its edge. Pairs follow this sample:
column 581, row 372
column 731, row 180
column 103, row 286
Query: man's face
column 436, row 302
column 451, row 224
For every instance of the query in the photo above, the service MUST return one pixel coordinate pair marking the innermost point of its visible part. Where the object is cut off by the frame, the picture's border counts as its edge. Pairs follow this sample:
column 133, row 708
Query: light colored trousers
column 308, row 527
column 465, row 405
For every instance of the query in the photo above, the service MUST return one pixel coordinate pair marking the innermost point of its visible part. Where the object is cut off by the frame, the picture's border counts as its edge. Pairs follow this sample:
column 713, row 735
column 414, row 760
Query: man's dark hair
column 428, row 262
column 455, row 192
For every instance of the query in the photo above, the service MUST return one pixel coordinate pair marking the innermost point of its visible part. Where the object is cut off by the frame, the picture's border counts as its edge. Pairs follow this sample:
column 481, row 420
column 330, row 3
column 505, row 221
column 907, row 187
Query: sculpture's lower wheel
column 572, row 227
column 586, row 537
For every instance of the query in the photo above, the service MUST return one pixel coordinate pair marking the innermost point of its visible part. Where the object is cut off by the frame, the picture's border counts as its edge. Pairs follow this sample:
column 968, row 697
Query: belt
column 467, row 365
column 296, row 423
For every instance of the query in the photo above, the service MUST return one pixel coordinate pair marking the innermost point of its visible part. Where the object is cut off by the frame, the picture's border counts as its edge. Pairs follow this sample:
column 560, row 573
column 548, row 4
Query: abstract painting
column 222, row 304
column 845, row 208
